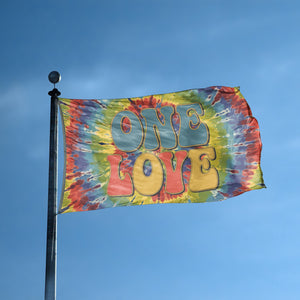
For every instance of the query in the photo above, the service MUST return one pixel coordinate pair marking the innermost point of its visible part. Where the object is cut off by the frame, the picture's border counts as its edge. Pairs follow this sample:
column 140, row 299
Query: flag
column 198, row 145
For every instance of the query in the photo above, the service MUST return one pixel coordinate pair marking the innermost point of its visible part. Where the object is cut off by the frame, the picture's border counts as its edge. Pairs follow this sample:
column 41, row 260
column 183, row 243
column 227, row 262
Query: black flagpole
column 50, row 279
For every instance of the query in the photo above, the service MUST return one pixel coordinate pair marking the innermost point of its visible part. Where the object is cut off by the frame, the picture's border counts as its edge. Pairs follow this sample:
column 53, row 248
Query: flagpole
column 50, row 277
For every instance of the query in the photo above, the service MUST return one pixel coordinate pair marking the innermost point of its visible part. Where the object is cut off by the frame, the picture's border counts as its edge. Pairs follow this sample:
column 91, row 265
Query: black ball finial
column 54, row 77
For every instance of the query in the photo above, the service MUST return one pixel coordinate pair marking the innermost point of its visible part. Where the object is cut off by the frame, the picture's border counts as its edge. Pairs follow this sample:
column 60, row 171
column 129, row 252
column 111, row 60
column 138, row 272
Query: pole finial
column 54, row 77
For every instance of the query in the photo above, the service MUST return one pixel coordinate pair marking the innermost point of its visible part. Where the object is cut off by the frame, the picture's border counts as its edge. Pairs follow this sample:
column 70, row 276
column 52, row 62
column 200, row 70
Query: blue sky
column 246, row 247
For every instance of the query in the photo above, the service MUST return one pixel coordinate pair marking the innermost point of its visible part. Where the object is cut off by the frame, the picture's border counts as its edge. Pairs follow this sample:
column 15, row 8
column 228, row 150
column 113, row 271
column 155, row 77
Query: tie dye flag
column 197, row 145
